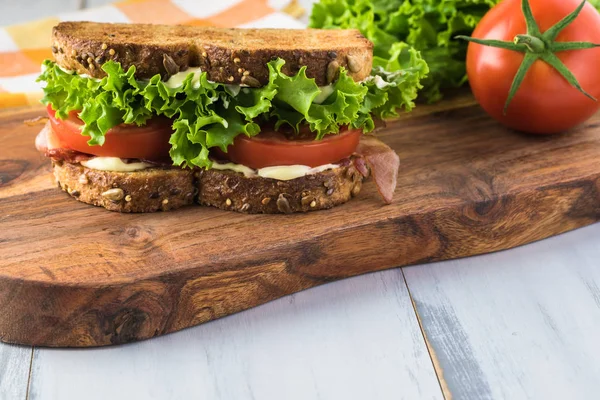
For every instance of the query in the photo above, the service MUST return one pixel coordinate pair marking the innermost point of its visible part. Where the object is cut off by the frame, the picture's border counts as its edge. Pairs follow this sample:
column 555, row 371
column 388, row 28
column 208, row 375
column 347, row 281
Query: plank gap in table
column 15, row 366
column 519, row 324
column 438, row 371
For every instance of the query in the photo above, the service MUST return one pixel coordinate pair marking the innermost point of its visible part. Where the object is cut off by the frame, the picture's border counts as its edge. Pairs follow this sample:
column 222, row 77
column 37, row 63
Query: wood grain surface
column 75, row 275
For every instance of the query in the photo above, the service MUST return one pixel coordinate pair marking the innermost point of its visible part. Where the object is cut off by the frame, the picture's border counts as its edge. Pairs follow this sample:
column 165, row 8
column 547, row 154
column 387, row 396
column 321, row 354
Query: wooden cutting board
column 76, row 275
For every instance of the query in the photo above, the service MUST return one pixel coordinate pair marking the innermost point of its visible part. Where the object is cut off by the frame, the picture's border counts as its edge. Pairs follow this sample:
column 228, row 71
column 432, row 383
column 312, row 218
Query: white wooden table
column 521, row 324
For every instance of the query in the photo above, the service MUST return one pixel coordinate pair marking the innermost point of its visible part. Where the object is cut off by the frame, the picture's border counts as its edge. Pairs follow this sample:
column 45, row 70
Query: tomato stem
column 538, row 46
column 552, row 33
column 494, row 43
column 533, row 44
column 528, row 61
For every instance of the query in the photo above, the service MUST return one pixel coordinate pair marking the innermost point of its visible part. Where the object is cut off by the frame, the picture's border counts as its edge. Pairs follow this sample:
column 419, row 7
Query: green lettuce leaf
column 427, row 25
column 209, row 115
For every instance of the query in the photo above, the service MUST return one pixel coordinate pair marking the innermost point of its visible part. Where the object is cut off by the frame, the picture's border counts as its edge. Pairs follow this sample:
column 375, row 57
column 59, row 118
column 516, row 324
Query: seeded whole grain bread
column 163, row 189
column 153, row 189
column 228, row 55
column 231, row 190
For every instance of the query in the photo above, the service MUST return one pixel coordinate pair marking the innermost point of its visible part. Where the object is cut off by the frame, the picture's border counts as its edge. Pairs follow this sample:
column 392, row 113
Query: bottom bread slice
column 149, row 190
column 162, row 189
column 230, row 190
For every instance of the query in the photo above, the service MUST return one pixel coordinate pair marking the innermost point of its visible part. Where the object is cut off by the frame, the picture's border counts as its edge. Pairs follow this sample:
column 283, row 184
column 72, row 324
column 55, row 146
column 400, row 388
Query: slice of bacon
column 361, row 166
column 67, row 155
column 46, row 142
column 42, row 140
column 383, row 162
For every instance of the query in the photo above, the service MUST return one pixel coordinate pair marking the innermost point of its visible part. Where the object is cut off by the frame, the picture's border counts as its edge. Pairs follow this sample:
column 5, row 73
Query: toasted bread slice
column 163, row 189
column 149, row 190
column 231, row 190
column 236, row 56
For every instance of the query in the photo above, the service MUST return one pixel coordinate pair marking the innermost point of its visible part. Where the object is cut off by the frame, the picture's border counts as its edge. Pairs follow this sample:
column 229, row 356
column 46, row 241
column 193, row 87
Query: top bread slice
column 227, row 55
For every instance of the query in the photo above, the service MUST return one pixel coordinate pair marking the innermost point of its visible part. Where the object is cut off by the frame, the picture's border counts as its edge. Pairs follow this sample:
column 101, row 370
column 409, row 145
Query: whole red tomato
column 545, row 102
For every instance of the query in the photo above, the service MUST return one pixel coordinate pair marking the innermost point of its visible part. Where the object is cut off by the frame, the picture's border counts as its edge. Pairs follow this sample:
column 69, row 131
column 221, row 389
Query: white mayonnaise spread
column 281, row 172
column 235, row 167
column 89, row 77
column 114, row 164
column 234, row 89
column 379, row 81
column 176, row 80
column 66, row 71
column 326, row 91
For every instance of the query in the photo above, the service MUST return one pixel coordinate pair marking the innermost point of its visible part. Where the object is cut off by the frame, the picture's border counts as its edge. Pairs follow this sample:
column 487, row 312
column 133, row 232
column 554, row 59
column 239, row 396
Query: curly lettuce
column 427, row 25
column 209, row 115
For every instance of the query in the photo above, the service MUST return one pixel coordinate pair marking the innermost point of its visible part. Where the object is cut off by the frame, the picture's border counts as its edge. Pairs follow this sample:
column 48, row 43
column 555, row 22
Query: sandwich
column 145, row 118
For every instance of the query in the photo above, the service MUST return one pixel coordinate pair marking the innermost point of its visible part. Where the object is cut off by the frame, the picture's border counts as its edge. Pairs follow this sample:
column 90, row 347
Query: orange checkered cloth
column 23, row 47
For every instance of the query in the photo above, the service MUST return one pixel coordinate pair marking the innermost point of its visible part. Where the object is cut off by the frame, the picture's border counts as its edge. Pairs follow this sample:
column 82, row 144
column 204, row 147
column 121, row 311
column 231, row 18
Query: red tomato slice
column 148, row 142
column 270, row 148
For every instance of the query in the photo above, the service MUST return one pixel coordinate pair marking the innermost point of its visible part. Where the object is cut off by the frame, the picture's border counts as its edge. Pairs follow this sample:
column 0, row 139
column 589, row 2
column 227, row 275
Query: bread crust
column 163, row 189
column 150, row 190
column 229, row 190
column 227, row 55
